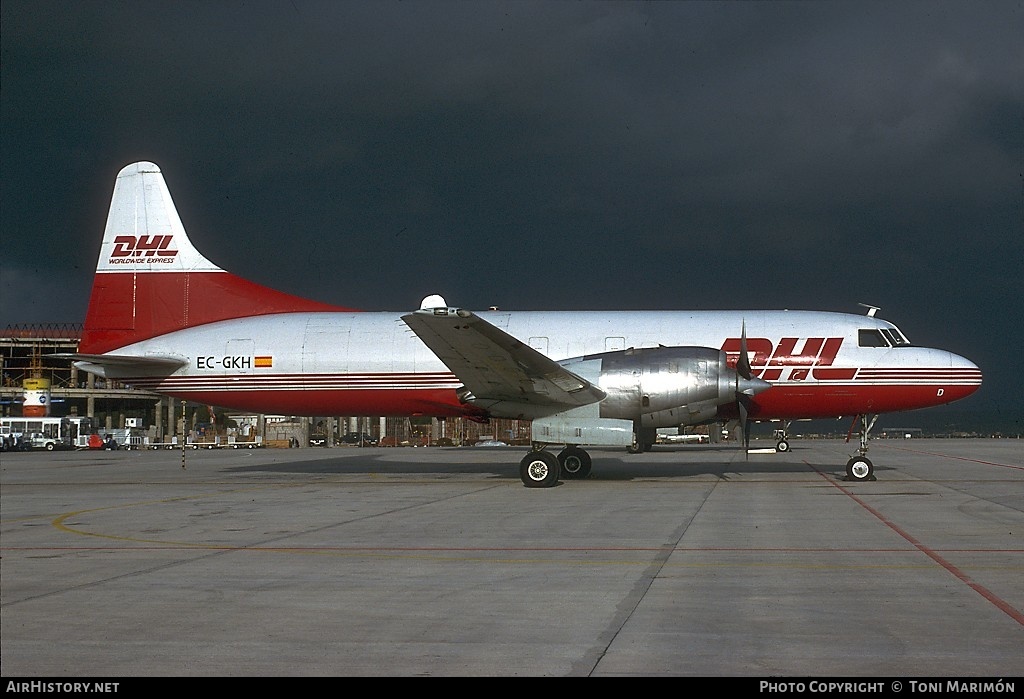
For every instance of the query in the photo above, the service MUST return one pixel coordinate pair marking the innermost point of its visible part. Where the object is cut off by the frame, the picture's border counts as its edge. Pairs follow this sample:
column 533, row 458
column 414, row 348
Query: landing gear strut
column 860, row 468
column 645, row 439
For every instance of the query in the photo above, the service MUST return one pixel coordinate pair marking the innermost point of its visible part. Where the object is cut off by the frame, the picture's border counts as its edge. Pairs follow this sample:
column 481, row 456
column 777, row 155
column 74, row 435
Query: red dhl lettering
column 785, row 356
column 149, row 247
column 758, row 348
column 816, row 353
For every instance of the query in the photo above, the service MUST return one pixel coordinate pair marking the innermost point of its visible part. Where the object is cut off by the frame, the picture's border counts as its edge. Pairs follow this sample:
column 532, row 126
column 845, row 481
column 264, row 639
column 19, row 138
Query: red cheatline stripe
column 297, row 382
column 923, row 373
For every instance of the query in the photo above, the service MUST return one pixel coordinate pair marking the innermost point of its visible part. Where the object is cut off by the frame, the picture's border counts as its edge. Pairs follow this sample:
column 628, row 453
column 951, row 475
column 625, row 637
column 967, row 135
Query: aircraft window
column 894, row 337
column 871, row 338
column 901, row 339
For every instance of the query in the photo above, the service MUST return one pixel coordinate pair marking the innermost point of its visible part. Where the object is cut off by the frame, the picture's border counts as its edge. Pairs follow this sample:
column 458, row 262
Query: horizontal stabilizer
column 501, row 374
column 118, row 366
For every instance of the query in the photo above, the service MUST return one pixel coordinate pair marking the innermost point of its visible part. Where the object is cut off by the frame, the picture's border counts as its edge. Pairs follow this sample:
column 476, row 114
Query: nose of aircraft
column 923, row 377
column 956, row 377
column 965, row 371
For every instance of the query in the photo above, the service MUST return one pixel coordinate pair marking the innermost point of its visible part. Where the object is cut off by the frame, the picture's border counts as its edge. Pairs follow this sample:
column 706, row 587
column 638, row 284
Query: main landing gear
column 575, row 462
column 542, row 469
column 644, row 439
column 860, row 468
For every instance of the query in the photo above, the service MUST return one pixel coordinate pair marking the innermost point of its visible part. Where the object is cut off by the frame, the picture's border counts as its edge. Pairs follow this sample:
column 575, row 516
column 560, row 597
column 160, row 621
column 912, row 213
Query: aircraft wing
column 501, row 374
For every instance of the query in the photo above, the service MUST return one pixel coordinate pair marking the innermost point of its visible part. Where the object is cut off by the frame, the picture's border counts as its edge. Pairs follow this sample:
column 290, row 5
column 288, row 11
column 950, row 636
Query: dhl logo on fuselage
column 142, row 249
column 768, row 361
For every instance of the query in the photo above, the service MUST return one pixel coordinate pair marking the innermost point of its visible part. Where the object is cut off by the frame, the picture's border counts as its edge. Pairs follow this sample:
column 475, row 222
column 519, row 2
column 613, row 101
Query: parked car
column 491, row 443
column 358, row 439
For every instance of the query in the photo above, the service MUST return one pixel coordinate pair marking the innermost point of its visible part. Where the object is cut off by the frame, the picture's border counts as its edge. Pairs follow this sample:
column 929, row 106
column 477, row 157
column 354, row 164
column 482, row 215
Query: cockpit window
column 894, row 337
column 900, row 338
column 871, row 338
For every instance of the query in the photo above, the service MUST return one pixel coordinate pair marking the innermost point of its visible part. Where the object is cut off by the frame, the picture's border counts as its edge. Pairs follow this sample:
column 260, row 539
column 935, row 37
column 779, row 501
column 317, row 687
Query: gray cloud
column 536, row 154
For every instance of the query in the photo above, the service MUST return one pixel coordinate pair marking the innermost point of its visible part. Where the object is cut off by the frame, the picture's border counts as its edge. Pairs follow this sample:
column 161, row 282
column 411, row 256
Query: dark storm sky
column 539, row 155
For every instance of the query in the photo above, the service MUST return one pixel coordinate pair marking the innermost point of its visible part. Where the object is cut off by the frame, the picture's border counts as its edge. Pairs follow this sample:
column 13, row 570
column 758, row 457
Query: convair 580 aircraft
column 164, row 318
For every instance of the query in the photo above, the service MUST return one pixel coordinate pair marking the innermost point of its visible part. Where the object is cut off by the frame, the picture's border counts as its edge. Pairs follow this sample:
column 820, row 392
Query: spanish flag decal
column 264, row 362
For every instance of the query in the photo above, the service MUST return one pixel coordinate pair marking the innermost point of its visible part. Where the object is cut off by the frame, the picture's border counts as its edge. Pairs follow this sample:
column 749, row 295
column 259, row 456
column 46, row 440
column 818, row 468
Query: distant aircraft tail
column 151, row 280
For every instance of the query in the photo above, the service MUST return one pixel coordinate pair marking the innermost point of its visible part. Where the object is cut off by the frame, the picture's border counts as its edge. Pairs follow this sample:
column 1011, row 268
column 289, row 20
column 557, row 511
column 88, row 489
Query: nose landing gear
column 860, row 468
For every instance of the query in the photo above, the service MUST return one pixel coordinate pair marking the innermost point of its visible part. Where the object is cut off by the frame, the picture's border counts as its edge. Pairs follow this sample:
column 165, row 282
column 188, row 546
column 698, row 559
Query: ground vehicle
column 359, row 439
column 47, row 433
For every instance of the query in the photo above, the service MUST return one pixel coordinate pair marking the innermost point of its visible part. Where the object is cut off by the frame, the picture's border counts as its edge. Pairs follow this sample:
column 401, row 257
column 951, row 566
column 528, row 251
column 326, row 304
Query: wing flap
column 500, row 373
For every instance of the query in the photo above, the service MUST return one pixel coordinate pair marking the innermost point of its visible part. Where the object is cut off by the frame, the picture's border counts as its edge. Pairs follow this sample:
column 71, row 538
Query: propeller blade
column 743, row 363
column 746, row 439
column 745, row 387
column 742, row 401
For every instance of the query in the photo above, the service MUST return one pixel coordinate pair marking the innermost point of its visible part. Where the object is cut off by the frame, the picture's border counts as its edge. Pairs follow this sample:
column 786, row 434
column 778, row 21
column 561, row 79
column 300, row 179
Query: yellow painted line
column 59, row 521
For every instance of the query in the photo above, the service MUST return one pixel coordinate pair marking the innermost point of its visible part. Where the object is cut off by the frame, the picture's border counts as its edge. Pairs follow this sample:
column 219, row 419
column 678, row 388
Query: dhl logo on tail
column 142, row 249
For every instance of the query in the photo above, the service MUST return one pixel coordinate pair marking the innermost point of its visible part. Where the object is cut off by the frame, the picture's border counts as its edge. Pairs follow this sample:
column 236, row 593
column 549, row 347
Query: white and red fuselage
column 370, row 363
column 241, row 345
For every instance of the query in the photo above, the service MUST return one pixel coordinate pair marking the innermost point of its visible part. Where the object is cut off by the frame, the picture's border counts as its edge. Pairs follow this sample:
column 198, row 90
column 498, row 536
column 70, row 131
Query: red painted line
column 492, row 549
column 960, row 458
column 1001, row 604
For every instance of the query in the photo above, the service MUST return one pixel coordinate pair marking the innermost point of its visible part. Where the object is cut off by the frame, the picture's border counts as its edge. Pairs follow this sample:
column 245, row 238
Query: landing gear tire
column 639, row 448
column 643, row 441
column 860, row 468
column 539, row 469
column 782, row 446
column 575, row 463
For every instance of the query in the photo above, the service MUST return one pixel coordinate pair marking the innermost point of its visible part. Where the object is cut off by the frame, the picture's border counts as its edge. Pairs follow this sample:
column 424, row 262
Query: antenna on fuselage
column 871, row 309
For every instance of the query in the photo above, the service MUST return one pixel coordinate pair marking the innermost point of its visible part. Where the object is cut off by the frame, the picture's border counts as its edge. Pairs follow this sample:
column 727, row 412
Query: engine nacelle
column 667, row 386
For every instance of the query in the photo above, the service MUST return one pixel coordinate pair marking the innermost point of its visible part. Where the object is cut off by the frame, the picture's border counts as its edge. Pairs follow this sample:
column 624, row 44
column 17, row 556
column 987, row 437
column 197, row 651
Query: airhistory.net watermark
column 57, row 687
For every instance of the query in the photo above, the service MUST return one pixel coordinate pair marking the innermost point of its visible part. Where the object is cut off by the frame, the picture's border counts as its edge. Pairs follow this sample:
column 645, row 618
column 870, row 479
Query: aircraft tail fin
column 151, row 280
